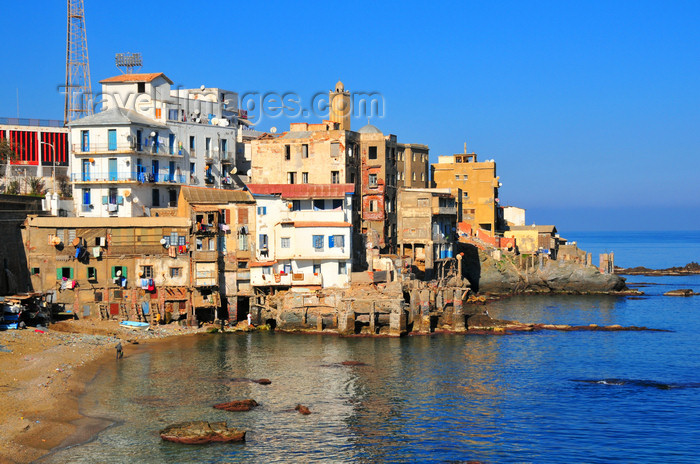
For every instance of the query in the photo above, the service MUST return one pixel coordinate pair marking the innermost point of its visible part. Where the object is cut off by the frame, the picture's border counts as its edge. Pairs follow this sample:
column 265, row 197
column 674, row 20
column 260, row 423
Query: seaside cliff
column 522, row 274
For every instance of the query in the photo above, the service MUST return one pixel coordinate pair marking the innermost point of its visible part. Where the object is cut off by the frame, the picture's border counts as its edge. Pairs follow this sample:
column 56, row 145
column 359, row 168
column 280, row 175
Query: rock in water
column 680, row 292
column 201, row 432
column 302, row 409
column 264, row 381
column 240, row 405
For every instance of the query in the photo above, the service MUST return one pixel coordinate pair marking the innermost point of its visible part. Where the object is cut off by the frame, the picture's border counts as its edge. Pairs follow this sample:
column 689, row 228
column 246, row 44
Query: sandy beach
column 44, row 371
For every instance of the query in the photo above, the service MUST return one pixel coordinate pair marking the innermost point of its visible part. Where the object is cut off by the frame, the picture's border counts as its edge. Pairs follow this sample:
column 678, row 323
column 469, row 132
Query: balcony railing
column 128, row 176
column 162, row 149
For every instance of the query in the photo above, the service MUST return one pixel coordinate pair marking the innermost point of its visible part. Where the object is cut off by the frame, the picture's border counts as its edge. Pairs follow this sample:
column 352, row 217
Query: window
column 304, row 151
column 71, row 235
column 262, row 238
column 192, row 144
column 155, row 197
column 92, row 273
column 64, row 273
column 175, row 271
column 267, row 270
column 456, row 176
column 285, row 242
column 422, row 176
column 36, row 271
column 199, row 244
column 342, row 268
column 319, row 205
column 465, row 194
column 414, row 176
column 372, row 180
column 296, row 205
column 291, row 177
column 337, row 204
column 147, row 272
column 86, row 197
column 141, row 87
column 262, row 210
column 171, row 144
column 317, row 269
column 423, row 202
column 373, row 206
column 336, row 241
column 304, row 177
column 335, row 149
column 318, row 242
column 373, row 153
column 193, row 169
column 242, row 240
column 287, row 152
column 118, row 271
column 465, row 177
column 207, row 147
column 335, row 177
column 212, row 244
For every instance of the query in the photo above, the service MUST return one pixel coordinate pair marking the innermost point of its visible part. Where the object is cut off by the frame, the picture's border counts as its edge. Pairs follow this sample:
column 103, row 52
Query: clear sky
column 591, row 109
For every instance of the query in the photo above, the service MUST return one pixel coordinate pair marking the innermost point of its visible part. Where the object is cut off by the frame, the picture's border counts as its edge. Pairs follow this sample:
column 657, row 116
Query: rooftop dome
column 369, row 129
column 339, row 87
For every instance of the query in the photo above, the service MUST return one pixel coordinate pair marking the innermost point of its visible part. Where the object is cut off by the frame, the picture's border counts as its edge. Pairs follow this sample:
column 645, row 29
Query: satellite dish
column 215, row 121
column 224, row 122
column 129, row 138
column 234, row 170
column 249, row 172
column 197, row 120
column 135, row 200
column 153, row 134
column 273, row 129
column 196, row 111
column 226, row 102
column 202, row 87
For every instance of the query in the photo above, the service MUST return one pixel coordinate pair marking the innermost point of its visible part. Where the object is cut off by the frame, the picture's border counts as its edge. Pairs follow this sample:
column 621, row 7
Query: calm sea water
column 550, row 397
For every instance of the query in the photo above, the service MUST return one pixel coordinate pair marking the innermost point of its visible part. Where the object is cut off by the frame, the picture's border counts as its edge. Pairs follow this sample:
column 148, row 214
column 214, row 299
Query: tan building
column 531, row 239
column 479, row 185
column 330, row 152
column 222, row 239
column 427, row 221
column 122, row 268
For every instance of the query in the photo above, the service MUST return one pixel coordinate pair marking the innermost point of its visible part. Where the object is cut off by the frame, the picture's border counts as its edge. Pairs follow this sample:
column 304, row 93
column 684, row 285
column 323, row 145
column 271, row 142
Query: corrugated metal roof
column 116, row 117
column 302, row 191
column 107, row 222
column 198, row 195
column 138, row 77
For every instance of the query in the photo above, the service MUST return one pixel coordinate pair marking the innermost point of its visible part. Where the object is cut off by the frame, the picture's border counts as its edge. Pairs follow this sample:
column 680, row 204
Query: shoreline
column 57, row 421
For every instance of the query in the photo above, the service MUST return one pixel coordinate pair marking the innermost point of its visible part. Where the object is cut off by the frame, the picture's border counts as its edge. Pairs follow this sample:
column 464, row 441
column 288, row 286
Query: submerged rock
column 353, row 363
column 201, row 432
column 302, row 409
column 239, row 405
column 680, row 292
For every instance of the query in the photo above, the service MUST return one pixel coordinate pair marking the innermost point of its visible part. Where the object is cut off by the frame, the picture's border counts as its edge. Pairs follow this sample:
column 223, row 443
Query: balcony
column 447, row 210
column 127, row 177
column 287, row 280
column 205, row 229
column 209, row 179
column 226, row 157
column 162, row 149
column 205, row 256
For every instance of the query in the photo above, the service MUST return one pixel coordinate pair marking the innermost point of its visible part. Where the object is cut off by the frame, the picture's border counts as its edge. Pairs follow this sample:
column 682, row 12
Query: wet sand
column 43, row 375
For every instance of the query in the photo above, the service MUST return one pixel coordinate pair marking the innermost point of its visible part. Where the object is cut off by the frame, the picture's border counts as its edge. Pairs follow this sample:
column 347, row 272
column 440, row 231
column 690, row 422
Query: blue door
column 86, row 170
column 85, row 140
column 112, row 139
column 154, row 170
column 171, row 171
column 112, row 165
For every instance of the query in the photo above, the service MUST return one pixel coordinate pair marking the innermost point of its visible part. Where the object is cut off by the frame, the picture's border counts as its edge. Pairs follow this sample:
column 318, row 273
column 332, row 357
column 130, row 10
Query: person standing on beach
column 120, row 353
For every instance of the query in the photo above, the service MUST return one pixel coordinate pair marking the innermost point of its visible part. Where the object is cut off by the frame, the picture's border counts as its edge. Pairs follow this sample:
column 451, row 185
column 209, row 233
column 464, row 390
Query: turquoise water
column 556, row 397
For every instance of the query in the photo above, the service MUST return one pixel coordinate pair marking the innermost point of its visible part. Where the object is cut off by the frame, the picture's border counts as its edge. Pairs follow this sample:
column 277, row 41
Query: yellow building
column 479, row 185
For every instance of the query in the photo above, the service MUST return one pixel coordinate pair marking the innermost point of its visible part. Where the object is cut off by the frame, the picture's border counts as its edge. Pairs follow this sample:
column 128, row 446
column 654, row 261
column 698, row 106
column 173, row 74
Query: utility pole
column 78, row 87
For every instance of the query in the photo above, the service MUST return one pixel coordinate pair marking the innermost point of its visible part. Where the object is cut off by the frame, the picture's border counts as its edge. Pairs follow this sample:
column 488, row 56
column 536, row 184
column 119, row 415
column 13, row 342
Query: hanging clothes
column 96, row 251
column 172, row 252
column 151, row 285
column 145, row 309
column 144, row 284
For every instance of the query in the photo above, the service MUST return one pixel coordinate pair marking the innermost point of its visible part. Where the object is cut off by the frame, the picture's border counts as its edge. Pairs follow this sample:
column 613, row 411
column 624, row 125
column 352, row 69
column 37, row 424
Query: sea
column 542, row 397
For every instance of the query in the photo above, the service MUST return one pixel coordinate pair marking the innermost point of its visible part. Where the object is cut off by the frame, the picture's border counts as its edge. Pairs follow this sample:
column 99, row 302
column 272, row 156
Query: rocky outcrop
column 689, row 269
column 302, row 409
column 511, row 274
column 201, row 432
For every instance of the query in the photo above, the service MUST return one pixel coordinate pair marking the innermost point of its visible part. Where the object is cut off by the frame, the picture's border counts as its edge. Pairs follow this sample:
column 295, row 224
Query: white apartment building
column 304, row 235
column 147, row 141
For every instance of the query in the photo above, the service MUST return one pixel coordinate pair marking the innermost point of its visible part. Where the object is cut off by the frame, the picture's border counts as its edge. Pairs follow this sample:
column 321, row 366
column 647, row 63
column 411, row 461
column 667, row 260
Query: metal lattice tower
column 78, row 87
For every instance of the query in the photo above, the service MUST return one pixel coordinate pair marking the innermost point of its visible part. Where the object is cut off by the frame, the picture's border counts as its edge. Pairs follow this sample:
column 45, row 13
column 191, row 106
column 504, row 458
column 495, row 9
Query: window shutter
column 227, row 216
column 120, row 200
column 330, row 241
column 105, row 200
column 124, row 271
column 71, row 272
column 114, row 272
column 58, row 273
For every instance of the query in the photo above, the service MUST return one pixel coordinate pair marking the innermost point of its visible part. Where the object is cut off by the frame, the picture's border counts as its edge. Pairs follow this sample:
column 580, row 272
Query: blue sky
column 591, row 109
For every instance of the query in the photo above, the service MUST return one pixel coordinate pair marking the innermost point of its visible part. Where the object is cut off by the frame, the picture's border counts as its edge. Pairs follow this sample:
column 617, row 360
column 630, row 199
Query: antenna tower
column 78, row 87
